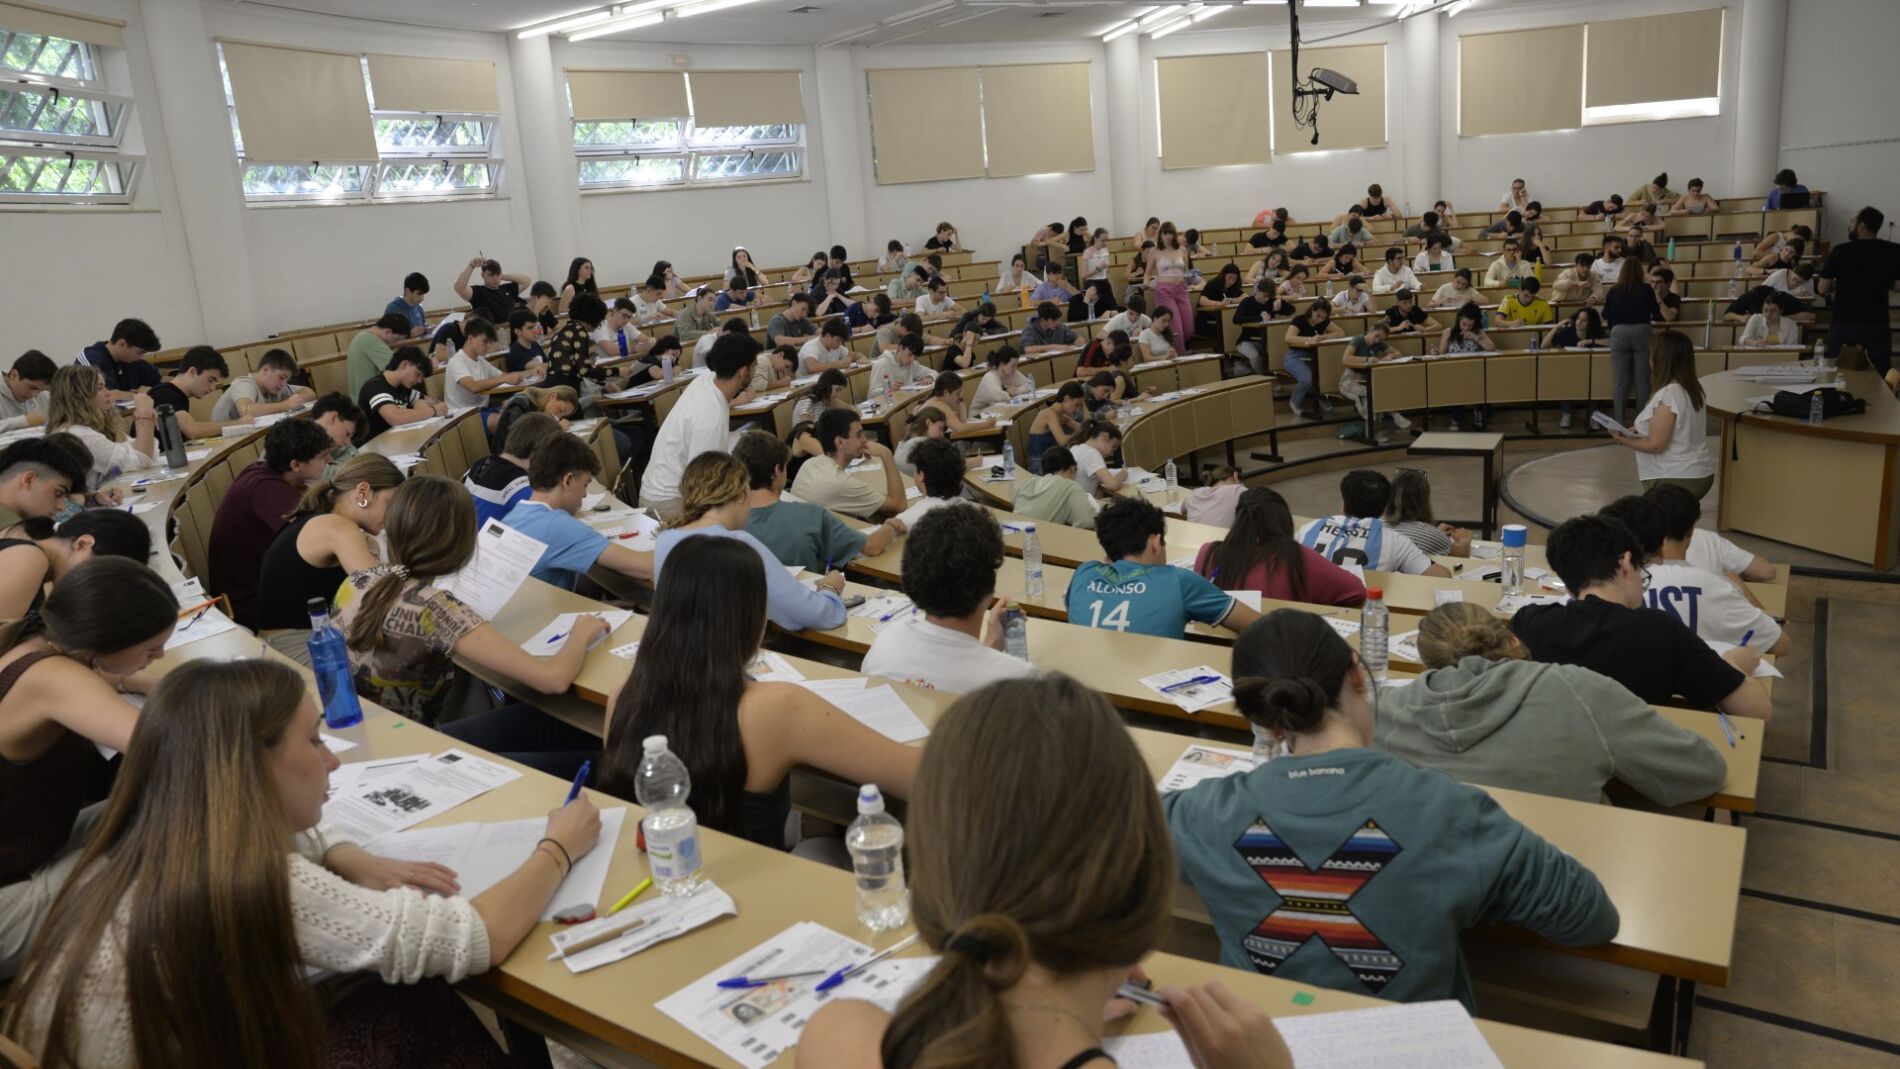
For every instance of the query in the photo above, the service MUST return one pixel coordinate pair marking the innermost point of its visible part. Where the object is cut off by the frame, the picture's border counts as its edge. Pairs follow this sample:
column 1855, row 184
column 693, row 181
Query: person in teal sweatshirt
column 1341, row 866
column 1485, row 713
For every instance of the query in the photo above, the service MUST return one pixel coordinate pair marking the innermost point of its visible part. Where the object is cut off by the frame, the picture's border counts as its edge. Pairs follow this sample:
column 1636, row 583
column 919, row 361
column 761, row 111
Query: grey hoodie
column 1553, row 729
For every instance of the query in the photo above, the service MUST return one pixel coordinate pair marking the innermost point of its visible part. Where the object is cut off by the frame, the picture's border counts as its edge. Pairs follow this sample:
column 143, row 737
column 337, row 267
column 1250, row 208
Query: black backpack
column 1799, row 405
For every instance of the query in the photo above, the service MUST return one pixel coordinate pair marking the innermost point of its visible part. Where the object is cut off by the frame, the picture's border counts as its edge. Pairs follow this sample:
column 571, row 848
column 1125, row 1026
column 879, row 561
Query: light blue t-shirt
column 1148, row 599
column 788, row 603
column 573, row 547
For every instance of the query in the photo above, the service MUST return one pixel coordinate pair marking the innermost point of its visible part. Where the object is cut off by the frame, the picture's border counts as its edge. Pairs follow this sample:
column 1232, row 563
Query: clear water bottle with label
column 1171, row 474
column 890, row 390
column 666, row 368
column 330, row 663
column 1016, row 633
column 670, row 827
column 755, row 317
column 1009, row 461
column 1032, row 561
column 1817, row 412
column 876, row 842
column 1264, row 747
column 1372, row 634
column 1516, row 535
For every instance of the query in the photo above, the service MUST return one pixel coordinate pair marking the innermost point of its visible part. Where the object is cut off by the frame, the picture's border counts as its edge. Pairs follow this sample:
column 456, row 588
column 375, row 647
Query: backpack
column 1799, row 405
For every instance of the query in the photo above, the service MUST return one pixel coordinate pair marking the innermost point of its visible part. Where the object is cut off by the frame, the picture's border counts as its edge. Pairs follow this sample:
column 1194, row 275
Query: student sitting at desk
column 1099, row 440
column 1436, row 255
column 1704, row 548
column 1485, row 713
column 1055, row 496
column 112, row 986
column 936, row 301
column 1303, row 335
column 558, row 476
column 715, row 500
column 499, row 481
column 48, row 552
column 395, row 397
column 1363, row 352
column 1456, row 293
column 1213, row 502
column 907, row 287
column 1046, row 333
column 1525, row 308
column 1137, row 589
column 1032, row 952
column 1770, row 327
column 1261, row 554
column 954, row 642
column 938, row 478
column 331, row 533
column 1410, row 514
column 1131, row 320
column 739, row 739
column 946, row 396
column 1422, row 856
column 1394, row 275
column 1716, row 609
column 1004, row 383
column 831, row 391
column 798, row 532
column 1357, row 535
column 255, row 507
column 825, row 482
column 1608, row 629
column 1156, row 341
column 201, row 370
column 1059, row 421
column 80, row 405
column 1406, row 317
column 37, row 475
column 60, row 701
column 902, row 368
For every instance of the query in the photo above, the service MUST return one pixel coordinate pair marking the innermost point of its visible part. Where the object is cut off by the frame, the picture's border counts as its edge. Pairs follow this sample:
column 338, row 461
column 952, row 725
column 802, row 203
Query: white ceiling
column 772, row 22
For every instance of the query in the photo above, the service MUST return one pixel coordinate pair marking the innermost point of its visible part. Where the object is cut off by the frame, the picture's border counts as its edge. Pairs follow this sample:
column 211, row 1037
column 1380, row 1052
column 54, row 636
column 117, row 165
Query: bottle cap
column 869, row 800
column 1029, row 528
column 317, row 605
column 1374, row 593
column 654, row 744
column 1516, row 534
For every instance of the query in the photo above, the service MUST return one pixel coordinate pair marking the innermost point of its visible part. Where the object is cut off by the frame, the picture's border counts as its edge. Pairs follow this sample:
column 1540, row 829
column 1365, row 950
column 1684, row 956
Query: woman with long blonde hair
column 208, row 888
column 80, row 405
column 1037, row 926
column 560, row 402
column 713, row 493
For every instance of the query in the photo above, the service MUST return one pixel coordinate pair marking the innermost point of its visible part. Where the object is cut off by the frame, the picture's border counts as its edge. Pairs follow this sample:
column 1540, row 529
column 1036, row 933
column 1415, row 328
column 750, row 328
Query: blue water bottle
column 330, row 660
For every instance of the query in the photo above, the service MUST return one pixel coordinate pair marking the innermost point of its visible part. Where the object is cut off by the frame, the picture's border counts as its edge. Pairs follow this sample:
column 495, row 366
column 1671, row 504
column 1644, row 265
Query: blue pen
column 738, row 982
column 1195, row 682
column 886, row 618
column 579, row 778
column 552, row 639
column 1746, row 635
column 1728, row 727
column 849, row 971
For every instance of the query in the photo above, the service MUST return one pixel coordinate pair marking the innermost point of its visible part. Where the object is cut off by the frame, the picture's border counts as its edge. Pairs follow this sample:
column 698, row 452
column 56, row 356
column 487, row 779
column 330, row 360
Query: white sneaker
column 1564, row 423
column 1399, row 421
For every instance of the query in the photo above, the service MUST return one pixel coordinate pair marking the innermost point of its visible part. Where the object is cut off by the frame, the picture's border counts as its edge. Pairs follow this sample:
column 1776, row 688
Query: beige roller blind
column 1037, row 119
column 1344, row 121
column 608, row 95
column 926, row 124
column 1513, row 83
column 295, row 105
column 746, row 98
column 1213, row 110
column 1659, row 57
column 411, row 83
column 32, row 18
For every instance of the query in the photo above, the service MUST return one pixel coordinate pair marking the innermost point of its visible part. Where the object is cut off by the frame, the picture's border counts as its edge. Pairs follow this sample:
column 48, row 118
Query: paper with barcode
column 1193, row 689
column 1198, row 763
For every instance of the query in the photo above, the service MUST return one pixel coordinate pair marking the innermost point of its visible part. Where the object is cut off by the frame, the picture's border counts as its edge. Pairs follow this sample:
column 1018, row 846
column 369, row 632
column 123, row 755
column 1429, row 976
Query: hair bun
column 994, row 943
column 1288, row 705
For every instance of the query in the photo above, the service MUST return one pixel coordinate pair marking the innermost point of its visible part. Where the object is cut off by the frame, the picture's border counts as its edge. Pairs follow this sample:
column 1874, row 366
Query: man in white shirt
column 698, row 422
column 936, row 301
column 1715, row 608
column 469, row 372
column 1091, row 459
column 23, row 395
column 1702, row 547
column 1358, row 536
column 825, row 480
column 617, row 337
column 830, row 349
column 950, row 563
column 1609, row 266
column 650, row 305
column 264, row 392
column 1394, row 275
column 899, row 368
column 1131, row 320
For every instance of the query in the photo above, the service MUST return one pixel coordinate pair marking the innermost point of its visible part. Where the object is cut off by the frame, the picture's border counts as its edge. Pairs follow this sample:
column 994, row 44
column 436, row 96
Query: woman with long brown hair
column 1037, row 925
column 208, row 888
column 1260, row 553
column 328, row 537
column 1168, row 265
column 80, row 405
column 1671, row 436
column 60, row 688
column 404, row 630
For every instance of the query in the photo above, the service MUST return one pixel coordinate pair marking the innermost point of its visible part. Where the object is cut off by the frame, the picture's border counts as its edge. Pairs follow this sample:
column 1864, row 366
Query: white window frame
column 103, row 148
column 690, row 148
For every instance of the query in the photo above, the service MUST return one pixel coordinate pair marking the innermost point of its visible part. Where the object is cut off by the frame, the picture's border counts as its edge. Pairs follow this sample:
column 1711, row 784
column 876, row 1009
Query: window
column 657, row 153
column 59, row 129
column 419, row 155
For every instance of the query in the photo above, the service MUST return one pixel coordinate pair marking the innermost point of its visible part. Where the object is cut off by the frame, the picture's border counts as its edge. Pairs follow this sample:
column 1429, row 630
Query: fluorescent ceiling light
column 1123, row 30
column 1262, row 3
column 631, row 22
column 921, row 13
column 1451, row 11
column 708, row 7
column 1207, row 13
column 1160, row 16
column 563, row 25
column 1329, row 3
column 1159, row 32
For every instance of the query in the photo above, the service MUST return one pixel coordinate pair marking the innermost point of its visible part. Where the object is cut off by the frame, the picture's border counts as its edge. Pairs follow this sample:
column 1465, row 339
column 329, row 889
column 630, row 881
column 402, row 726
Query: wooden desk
column 1487, row 446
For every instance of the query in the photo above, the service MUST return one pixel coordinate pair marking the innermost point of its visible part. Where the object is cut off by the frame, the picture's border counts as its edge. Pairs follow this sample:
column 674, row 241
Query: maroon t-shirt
column 248, row 519
column 1326, row 583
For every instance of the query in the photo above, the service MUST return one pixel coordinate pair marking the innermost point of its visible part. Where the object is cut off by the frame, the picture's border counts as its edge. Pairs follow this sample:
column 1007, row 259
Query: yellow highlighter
column 627, row 899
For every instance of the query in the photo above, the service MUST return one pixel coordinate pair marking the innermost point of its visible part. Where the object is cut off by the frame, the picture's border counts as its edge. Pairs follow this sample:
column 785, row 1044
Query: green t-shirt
column 369, row 356
column 802, row 534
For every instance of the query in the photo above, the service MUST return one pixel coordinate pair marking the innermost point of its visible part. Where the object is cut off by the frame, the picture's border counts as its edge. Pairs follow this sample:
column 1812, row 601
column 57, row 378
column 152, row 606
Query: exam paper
column 1423, row 1035
column 383, row 797
column 878, row 708
column 482, row 855
column 1404, row 647
column 1764, row 669
column 643, row 925
column 1198, row 763
column 1510, row 603
column 1249, row 598
column 1343, row 627
column 1609, row 423
column 338, row 744
column 195, row 627
column 765, row 667
column 548, row 641
column 1193, row 689
column 503, row 558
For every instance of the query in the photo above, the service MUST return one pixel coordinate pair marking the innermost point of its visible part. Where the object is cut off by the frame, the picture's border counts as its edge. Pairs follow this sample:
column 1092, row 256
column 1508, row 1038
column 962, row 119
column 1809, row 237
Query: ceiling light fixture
column 1161, row 31
column 920, row 13
column 1451, row 12
column 564, row 25
column 1162, row 15
column 708, row 7
column 847, row 38
column 1122, row 30
column 636, row 21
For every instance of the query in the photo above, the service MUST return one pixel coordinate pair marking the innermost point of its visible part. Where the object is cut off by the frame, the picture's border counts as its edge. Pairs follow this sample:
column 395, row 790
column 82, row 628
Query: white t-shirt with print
column 1709, row 605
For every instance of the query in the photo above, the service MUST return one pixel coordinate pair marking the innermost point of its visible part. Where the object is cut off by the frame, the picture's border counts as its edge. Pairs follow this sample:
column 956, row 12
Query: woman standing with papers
column 209, row 888
column 739, row 739
column 1039, row 923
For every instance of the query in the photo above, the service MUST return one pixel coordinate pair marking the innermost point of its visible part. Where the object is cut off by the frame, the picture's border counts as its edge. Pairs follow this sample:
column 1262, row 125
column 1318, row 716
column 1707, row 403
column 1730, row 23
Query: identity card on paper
column 1385, row 1037
column 389, row 796
column 1404, row 647
column 1198, row 763
column 482, row 855
column 1193, row 689
column 503, row 558
column 548, row 641
column 605, row 940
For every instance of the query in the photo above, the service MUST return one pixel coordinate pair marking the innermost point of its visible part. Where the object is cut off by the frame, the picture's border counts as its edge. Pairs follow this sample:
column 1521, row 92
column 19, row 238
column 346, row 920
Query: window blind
column 296, row 105
column 1213, row 110
column 926, row 125
column 1655, row 58
column 1037, row 119
column 413, row 83
column 32, row 18
column 608, row 95
column 746, row 98
column 1520, row 81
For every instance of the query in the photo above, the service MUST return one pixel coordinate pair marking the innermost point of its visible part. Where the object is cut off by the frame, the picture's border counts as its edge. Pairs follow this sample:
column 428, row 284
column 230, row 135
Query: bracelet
column 564, row 855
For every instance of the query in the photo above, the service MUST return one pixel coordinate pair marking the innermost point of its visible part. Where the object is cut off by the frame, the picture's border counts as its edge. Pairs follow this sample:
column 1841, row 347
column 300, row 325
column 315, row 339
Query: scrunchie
column 400, row 571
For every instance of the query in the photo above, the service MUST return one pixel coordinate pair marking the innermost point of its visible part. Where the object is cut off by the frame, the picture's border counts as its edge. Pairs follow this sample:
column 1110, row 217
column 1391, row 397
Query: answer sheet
column 1198, row 763
column 482, row 855
column 1423, row 1035
column 548, row 641
column 878, row 708
column 503, row 558
column 373, row 799
column 1193, row 689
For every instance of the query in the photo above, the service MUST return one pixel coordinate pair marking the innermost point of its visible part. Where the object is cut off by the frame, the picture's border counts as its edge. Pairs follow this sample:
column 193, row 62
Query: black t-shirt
column 1399, row 319
column 166, row 394
column 451, row 336
column 1216, row 290
column 933, row 243
column 1862, row 272
column 1314, row 248
column 1305, row 326
column 126, row 378
column 1596, row 207
column 1647, row 650
column 493, row 303
column 519, row 357
column 1667, row 300
column 1566, row 337
column 1253, row 310
column 1752, row 302
column 376, row 393
column 969, row 322
column 1267, row 239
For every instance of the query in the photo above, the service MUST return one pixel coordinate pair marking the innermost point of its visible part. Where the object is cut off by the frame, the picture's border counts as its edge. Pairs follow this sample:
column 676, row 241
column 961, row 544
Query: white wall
column 1840, row 87
column 311, row 265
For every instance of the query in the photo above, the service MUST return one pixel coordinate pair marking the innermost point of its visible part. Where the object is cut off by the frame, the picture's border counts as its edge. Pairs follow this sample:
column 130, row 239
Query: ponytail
column 1460, row 629
column 430, row 526
column 377, row 470
column 956, row 1019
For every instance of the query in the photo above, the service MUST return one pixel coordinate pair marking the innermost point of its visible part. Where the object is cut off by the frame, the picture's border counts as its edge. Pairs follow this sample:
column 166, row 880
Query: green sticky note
column 1302, row 998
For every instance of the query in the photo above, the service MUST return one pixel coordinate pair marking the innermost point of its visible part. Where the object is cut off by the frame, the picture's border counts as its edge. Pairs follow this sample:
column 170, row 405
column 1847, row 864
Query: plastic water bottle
column 1515, row 536
column 670, row 826
column 330, row 661
column 1032, row 562
column 1372, row 633
column 1671, row 254
column 1329, row 289
column 876, row 842
column 1171, row 474
column 1016, row 633
column 1009, row 461
column 1263, row 746
column 1817, row 413
column 890, row 390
